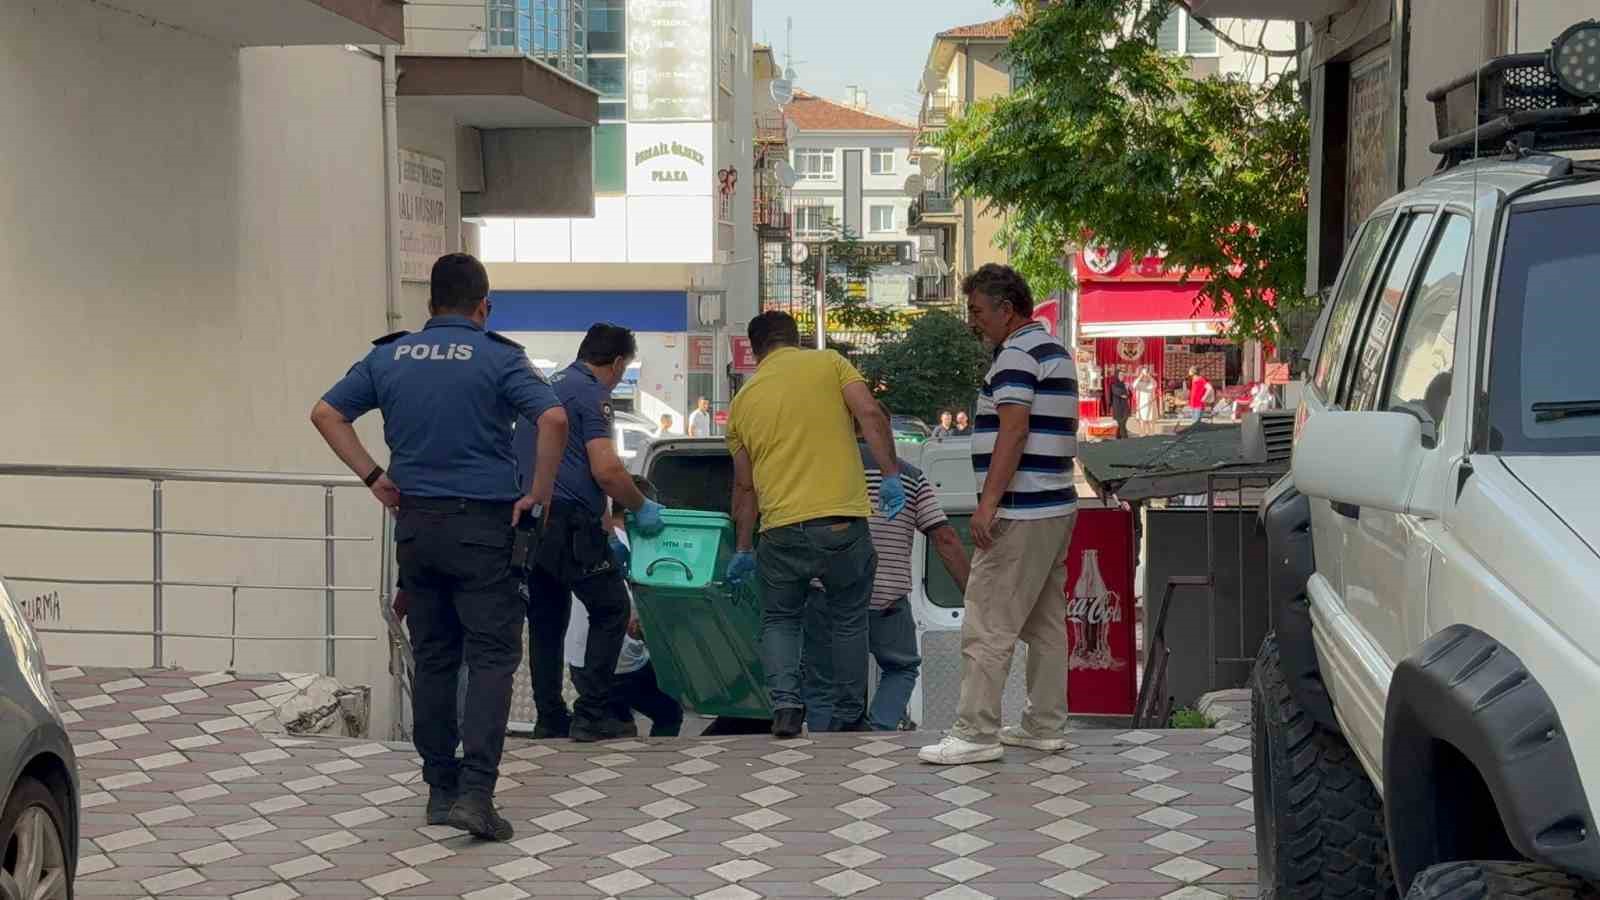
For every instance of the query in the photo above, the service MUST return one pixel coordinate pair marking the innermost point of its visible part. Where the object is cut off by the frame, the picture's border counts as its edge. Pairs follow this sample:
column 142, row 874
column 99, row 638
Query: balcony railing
column 770, row 214
column 933, row 291
column 936, row 203
column 772, row 128
column 937, row 110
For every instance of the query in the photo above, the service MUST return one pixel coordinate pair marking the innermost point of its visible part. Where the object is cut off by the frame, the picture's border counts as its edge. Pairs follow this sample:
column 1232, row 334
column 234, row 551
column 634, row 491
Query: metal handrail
column 157, row 477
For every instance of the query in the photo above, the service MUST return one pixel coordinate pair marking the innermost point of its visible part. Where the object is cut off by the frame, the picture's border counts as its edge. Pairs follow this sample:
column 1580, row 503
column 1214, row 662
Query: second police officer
column 449, row 395
column 575, row 556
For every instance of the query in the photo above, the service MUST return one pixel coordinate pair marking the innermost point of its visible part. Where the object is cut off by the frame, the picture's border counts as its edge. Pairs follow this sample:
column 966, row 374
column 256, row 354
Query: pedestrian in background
column 700, row 419
column 1121, row 404
column 575, row 551
column 795, row 458
column 1022, row 454
column 945, row 427
column 963, row 425
column 891, row 624
column 666, row 429
column 448, row 395
column 1201, row 395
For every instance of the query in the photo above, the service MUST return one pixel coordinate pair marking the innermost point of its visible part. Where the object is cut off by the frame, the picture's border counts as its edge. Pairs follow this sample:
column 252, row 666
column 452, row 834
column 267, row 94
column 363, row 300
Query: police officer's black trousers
column 575, row 560
column 466, row 599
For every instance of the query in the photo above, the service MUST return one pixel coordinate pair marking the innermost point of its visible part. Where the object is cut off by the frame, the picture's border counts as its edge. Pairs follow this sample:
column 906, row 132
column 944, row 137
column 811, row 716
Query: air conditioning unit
column 1267, row 437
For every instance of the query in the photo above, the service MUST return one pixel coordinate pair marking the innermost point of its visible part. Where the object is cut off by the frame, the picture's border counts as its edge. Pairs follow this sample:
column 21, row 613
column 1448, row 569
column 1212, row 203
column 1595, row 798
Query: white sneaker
column 1017, row 736
column 953, row 751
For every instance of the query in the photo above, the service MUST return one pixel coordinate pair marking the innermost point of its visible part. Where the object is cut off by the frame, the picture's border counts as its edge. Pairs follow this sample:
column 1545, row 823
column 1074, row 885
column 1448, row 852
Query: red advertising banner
column 1101, row 661
column 701, row 353
column 744, row 358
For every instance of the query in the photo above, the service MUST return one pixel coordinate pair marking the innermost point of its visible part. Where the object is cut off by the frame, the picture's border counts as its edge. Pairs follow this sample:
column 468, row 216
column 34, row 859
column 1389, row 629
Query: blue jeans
column 892, row 640
column 838, row 552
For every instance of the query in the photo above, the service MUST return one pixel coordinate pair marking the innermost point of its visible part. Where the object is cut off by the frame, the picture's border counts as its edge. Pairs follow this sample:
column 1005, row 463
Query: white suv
column 1423, row 718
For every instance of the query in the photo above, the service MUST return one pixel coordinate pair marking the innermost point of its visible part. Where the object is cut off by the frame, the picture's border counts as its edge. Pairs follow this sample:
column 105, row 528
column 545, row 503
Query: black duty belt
column 457, row 505
column 832, row 520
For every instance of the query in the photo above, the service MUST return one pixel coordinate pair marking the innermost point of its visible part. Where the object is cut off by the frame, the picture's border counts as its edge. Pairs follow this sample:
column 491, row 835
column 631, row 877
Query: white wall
column 428, row 132
column 194, row 251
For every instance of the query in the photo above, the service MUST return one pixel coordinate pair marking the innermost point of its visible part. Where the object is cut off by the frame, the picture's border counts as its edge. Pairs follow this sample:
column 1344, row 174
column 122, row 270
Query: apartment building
column 853, row 167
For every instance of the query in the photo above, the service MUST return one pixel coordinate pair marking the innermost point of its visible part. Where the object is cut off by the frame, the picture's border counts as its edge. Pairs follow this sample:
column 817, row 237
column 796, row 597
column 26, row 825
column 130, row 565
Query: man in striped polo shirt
column 1022, row 450
column 891, row 624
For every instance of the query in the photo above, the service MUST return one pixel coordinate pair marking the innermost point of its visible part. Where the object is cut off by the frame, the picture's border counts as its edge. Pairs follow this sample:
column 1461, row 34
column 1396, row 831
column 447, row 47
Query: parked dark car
column 38, row 771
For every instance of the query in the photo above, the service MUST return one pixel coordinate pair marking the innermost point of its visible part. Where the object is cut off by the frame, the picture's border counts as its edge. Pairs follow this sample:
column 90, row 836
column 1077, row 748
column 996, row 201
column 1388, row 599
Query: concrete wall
column 428, row 132
column 1448, row 38
column 195, row 254
column 446, row 27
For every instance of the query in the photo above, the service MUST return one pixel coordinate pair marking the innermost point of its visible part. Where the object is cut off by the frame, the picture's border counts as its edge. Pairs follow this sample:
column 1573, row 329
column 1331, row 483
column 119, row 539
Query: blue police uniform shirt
column 449, row 395
column 588, row 406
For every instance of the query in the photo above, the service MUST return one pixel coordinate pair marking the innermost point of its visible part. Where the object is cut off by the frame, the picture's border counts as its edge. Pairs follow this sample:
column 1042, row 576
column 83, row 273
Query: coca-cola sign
column 1100, row 620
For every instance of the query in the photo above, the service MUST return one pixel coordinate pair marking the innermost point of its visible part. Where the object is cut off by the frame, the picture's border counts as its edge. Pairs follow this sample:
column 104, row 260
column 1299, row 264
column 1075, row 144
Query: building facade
column 853, row 166
column 1366, row 69
column 181, row 292
column 669, row 250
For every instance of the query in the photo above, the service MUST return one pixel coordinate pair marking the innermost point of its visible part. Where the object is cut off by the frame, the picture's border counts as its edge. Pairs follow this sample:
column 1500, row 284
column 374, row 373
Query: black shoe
column 786, row 723
column 439, row 803
column 548, row 727
column 607, row 730
column 478, row 816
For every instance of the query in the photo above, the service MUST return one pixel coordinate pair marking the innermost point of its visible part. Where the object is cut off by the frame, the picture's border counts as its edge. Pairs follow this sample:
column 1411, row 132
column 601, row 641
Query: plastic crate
column 692, row 551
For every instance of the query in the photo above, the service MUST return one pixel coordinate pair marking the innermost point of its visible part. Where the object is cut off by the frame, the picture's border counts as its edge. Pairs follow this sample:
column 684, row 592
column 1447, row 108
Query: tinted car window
column 1379, row 322
column 1346, row 302
column 942, row 589
column 1547, row 314
column 1425, row 355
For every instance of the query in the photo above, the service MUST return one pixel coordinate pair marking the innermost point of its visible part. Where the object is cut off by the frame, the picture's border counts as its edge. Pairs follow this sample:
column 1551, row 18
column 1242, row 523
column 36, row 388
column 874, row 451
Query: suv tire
column 1319, row 823
column 1480, row 880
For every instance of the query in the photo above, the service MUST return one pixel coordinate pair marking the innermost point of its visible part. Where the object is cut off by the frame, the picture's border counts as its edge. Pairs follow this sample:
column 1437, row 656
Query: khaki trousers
column 1017, row 591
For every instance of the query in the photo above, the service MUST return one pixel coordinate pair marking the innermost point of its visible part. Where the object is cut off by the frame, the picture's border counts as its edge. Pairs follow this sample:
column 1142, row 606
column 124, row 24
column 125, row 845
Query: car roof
column 1476, row 178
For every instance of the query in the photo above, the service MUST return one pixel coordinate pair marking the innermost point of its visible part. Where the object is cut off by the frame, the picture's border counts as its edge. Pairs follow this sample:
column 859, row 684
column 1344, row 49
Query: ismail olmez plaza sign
column 670, row 160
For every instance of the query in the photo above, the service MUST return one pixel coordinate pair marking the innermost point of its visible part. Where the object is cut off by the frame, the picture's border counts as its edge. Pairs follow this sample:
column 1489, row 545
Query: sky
column 880, row 45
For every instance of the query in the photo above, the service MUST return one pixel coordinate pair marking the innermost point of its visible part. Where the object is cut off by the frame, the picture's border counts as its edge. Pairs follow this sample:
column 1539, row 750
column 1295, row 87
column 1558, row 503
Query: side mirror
column 1361, row 459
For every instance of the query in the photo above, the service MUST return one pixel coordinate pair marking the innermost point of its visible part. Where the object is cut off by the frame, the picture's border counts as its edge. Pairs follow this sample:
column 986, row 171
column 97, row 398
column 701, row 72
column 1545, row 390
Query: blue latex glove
column 619, row 553
column 648, row 519
column 741, row 567
column 891, row 497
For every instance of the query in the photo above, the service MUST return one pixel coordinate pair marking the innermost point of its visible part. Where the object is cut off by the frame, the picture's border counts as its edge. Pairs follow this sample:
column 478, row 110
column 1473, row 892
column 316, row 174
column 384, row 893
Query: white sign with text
column 670, row 161
column 423, row 229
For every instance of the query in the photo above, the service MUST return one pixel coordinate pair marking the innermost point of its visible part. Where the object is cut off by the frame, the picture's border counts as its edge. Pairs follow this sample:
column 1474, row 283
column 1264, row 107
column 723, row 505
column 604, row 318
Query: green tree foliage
column 847, row 262
column 936, row 365
column 1110, row 137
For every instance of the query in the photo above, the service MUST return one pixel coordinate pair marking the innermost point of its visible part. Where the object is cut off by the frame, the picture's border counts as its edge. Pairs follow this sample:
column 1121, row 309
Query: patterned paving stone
column 184, row 798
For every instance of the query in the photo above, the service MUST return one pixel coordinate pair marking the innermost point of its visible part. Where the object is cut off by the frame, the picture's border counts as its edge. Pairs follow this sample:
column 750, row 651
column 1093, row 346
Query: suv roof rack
column 1512, row 104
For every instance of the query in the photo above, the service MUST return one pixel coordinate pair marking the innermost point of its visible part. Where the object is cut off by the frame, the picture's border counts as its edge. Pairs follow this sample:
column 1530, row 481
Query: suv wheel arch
column 1285, row 517
column 1464, row 699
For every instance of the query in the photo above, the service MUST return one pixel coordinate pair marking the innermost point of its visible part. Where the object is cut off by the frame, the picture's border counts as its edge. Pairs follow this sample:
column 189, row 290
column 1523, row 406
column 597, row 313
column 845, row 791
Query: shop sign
column 702, row 353
column 1100, row 614
column 669, row 60
column 671, row 160
column 423, row 230
column 866, row 253
column 744, row 357
column 1277, row 373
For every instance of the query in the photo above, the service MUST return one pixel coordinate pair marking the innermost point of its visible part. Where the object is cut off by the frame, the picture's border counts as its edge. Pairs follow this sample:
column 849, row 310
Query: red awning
column 1149, row 309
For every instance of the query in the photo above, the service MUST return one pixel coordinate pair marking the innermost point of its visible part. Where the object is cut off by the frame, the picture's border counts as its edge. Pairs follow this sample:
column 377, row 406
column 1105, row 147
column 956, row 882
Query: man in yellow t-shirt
column 791, row 430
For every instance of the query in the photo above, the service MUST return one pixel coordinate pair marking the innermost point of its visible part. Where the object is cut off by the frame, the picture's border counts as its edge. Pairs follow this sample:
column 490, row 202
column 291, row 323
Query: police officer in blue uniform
column 449, row 395
column 575, row 555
